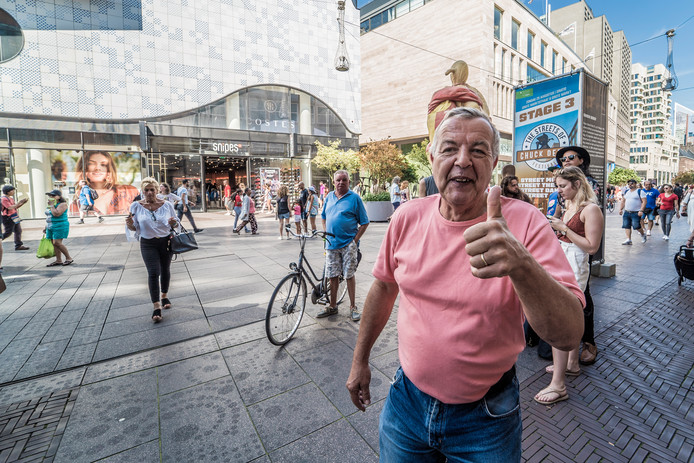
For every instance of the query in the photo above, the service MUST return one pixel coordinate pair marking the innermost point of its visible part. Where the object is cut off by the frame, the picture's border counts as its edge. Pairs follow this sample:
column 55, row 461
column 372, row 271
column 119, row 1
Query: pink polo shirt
column 457, row 333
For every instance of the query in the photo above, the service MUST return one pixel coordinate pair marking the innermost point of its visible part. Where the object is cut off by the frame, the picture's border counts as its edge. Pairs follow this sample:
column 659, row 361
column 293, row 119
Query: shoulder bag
column 182, row 241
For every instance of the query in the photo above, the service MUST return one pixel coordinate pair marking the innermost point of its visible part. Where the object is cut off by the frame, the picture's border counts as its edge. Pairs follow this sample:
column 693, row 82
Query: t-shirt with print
column 651, row 195
column 451, row 323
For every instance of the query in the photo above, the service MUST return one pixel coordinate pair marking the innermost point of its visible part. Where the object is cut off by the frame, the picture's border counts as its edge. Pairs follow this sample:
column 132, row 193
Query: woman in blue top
column 57, row 227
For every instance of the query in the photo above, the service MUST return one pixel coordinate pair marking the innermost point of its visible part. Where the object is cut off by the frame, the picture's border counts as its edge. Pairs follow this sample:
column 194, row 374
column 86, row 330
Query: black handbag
column 182, row 241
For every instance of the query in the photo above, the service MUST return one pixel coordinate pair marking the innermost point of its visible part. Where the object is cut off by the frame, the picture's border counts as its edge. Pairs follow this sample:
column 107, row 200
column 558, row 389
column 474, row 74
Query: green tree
column 684, row 178
column 331, row 158
column 620, row 176
column 418, row 159
column 382, row 160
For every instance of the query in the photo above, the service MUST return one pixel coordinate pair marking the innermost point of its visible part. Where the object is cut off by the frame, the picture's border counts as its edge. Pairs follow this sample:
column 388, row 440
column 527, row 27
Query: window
column 11, row 37
column 543, row 53
column 498, row 16
column 402, row 8
column 563, row 66
column 531, row 40
column 515, row 29
column 555, row 55
column 534, row 74
column 503, row 63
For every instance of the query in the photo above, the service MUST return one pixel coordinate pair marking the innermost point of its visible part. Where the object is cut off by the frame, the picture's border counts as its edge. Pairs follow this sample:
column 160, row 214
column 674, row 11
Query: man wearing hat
column 575, row 156
column 10, row 217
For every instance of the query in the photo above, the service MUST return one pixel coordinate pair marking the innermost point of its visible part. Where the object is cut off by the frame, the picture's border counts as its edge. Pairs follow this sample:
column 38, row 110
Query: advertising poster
column 684, row 125
column 271, row 176
column 547, row 117
column 594, row 129
column 114, row 175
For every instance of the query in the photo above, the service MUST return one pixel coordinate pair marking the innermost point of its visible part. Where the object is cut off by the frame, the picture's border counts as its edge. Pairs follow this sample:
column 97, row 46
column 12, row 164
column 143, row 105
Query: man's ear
column 431, row 156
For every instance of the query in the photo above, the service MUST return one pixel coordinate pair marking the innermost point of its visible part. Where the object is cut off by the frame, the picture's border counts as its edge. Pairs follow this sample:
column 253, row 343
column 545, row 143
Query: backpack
column 93, row 194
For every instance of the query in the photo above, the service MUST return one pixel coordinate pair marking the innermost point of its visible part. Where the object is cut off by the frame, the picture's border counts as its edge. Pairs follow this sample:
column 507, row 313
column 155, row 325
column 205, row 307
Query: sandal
column 561, row 394
column 54, row 264
column 156, row 315
column 165, row 303
column 68, row 262
column 550, row 369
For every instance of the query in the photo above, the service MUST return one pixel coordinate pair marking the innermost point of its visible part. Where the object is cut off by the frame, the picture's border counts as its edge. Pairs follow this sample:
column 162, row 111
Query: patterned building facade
column 183, row 87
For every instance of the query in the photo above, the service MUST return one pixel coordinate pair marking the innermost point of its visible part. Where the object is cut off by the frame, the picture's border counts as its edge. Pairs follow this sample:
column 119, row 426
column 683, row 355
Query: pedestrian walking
column 86, row 202
column 303, row 202
column 345, row 217
column 10, row 216
column 153, row 218
column 247, row 214
column 57, row 227
column 282, row 208
column 314, row 205
column 668, row 204
column 395, row 195
column 486, row 262
column 238, row 206
column 165, row 194
column 649, row 211
column 631, row 209
column 580, row 232
column 183, row 207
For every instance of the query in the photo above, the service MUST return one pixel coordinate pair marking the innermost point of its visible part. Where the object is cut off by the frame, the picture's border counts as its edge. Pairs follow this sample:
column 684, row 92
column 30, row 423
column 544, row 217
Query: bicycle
column 610, row 204
column 288, row 301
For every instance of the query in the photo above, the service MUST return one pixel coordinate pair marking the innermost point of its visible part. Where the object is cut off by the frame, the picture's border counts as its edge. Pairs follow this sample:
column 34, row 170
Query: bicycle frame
column 299, row 268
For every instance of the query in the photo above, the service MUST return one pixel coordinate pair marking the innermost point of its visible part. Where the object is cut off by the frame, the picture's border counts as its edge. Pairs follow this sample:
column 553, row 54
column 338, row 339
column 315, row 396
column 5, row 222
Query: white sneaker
column 228, row 213
column 644, row 238
column 648, row 232
column 627, row 242
column 279, row 237
column 666, row 238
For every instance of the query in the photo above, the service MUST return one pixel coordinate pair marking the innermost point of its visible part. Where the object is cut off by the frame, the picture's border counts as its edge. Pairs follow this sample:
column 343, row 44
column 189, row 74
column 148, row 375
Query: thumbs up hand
column 493, row 250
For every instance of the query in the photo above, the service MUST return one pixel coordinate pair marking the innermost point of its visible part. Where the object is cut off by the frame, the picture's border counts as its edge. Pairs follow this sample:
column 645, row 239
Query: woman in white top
column 165, row 194
column 152, row 218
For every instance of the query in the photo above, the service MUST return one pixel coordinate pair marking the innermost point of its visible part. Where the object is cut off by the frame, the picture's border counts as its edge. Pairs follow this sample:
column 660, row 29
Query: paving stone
column 366, row 423
column 236, row 318
column 146, row 452
column 79, row 355
column 207, row 422
column 190, row 372
column 338, row 442
column 240, row 335
column 102, row 423
column 290, row 415
column 150, row 359
column 261, row 371
column 329, row 365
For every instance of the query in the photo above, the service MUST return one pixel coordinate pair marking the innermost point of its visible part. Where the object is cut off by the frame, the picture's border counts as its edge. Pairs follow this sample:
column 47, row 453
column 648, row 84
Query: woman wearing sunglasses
column 152, row 218
column 575, row 156
column 579, row 231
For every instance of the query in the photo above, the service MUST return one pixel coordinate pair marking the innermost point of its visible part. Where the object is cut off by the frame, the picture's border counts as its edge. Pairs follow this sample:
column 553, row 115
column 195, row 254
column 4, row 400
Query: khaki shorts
column 341, row 261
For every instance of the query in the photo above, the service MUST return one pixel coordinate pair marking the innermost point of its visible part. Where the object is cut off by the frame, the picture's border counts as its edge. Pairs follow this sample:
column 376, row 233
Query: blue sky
column 641, row 20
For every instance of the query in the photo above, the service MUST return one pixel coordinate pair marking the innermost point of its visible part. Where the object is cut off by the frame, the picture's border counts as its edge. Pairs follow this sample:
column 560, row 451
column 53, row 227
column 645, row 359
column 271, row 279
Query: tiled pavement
column 204, row 385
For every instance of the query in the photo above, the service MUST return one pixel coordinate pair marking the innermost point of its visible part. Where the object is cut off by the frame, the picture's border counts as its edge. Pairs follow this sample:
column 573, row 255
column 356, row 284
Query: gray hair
column 465, row 112
column 341, row 172
column 396, row 179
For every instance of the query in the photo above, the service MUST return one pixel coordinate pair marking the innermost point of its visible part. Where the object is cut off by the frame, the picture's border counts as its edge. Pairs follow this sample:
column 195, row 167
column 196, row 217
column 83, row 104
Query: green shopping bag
column 45, row 250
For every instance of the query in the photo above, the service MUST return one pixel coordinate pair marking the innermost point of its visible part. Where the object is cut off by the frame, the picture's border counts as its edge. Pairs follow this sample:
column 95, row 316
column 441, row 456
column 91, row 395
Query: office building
column 653, row 150
column 408, row 45
column 607, row 56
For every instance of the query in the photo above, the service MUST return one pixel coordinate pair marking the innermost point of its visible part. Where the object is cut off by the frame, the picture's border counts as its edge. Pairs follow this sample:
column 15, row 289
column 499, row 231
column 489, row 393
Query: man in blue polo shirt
column 649, row 212
column 345, row 217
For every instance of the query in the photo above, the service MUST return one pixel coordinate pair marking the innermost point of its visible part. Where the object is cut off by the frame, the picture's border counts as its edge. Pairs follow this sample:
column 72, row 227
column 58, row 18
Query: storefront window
column 269, row 110
column 324, row 121
column 177, row 167
column 5, row 174
column 277, row 172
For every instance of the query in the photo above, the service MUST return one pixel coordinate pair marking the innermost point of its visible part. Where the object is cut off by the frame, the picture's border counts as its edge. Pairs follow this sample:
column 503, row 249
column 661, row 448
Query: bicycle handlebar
column 322, row 234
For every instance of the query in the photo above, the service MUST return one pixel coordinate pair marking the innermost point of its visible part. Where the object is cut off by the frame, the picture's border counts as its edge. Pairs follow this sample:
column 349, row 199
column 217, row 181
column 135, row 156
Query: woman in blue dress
column 57, row 227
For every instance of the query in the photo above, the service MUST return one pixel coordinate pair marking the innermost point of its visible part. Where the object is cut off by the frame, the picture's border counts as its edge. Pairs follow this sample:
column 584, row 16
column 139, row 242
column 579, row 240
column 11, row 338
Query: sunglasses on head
column 570, row 157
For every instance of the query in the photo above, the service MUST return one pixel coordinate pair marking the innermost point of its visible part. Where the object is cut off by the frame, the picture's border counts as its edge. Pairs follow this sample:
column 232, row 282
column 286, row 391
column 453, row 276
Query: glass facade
column 240, row 138
column 531, row 41
column 498, row 16
column 515, row 32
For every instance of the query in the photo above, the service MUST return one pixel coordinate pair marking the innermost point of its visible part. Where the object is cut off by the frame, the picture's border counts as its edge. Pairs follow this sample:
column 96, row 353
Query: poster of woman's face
column 115, row 176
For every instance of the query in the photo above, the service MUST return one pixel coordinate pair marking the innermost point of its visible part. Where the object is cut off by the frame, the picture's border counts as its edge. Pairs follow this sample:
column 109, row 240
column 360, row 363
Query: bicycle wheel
column 285, row 310
column 610, row 207
column 341, row 290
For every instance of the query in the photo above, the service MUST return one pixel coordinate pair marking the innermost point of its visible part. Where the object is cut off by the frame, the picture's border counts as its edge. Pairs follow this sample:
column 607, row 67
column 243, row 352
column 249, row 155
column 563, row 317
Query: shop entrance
column 218, row 169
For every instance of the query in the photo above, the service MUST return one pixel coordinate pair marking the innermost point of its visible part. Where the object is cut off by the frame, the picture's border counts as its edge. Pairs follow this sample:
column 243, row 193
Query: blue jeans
column 237, row 213
column 631, row 219
column 415, row 427
column 666, row 220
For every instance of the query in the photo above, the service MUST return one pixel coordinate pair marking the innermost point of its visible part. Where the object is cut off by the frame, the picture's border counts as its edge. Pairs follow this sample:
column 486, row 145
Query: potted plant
column 378, row 206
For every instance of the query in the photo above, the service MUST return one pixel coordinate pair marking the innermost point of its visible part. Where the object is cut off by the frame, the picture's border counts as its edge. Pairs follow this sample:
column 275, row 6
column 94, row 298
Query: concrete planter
column 378, row 211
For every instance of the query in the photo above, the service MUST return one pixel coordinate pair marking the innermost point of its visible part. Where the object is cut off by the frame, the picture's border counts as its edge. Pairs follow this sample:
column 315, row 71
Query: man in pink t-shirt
column 469, row 266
